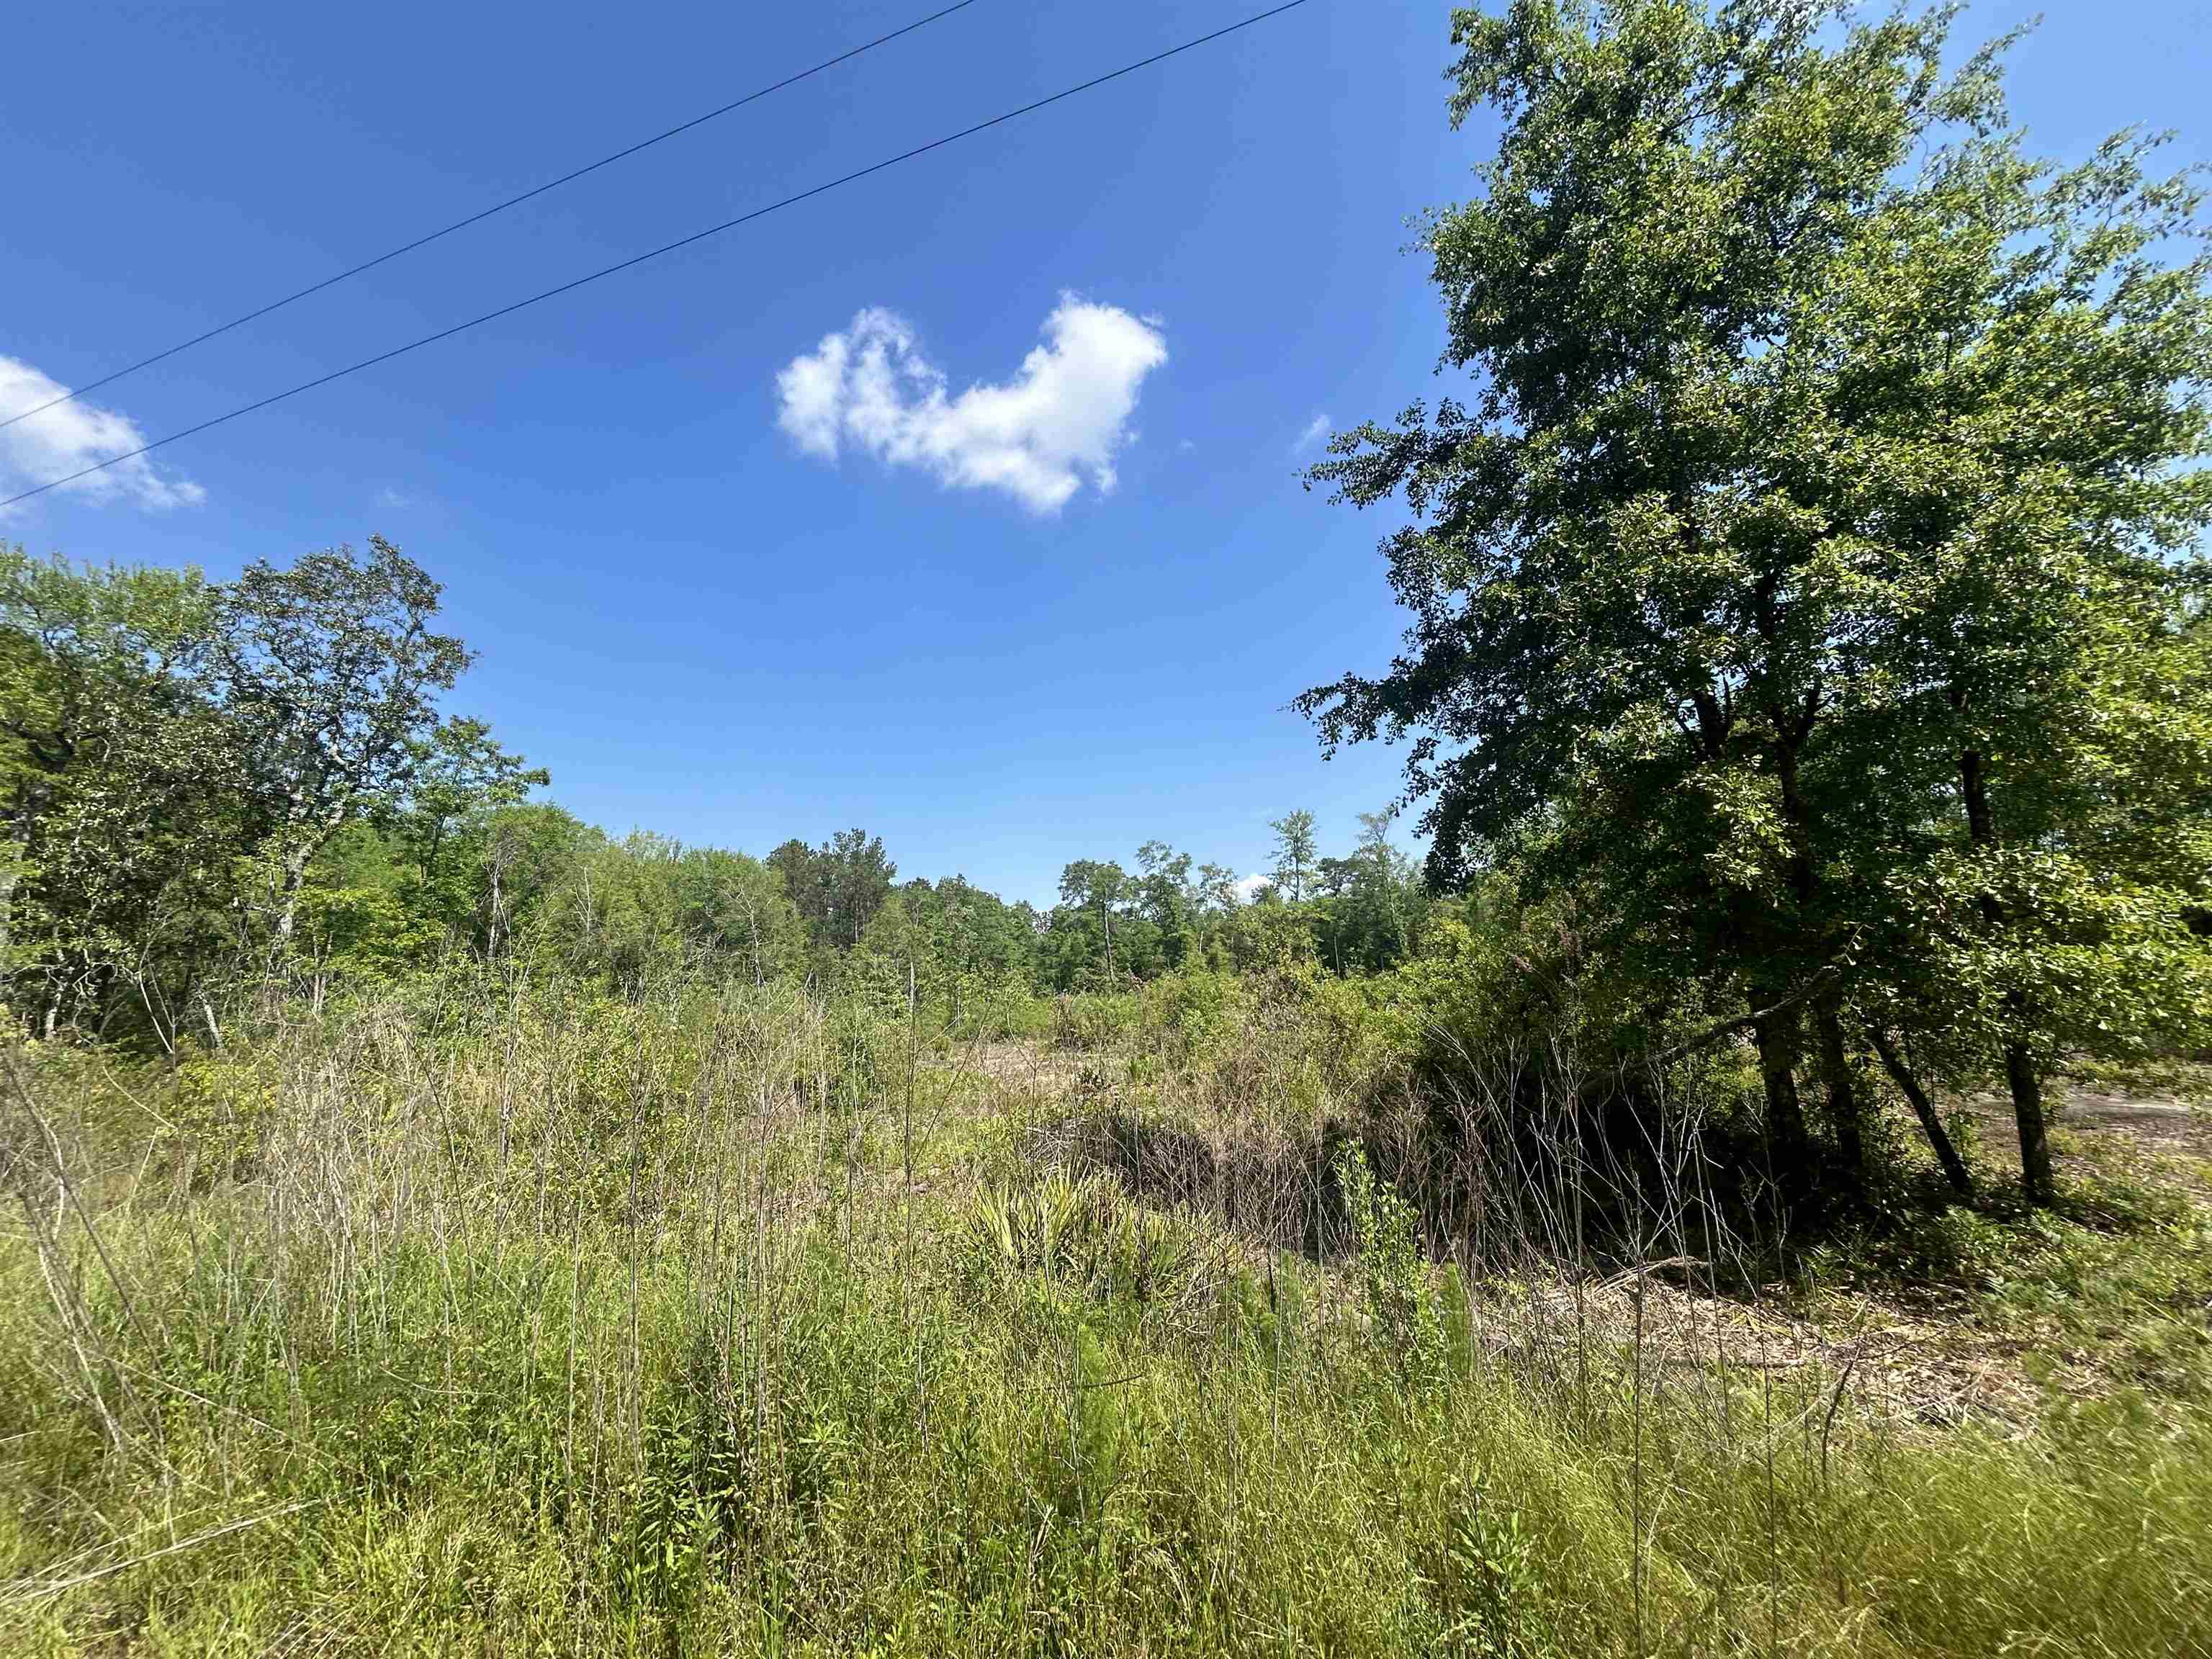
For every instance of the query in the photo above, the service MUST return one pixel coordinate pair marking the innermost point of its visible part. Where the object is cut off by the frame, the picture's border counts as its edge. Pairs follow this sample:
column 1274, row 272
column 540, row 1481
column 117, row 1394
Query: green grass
column 586, row 1329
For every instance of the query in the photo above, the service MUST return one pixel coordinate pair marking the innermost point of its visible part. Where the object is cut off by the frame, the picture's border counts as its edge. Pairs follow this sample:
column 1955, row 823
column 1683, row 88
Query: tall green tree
column 523, row 854
column 1803, row 396
column 734, row 909
column 330, row 671
column 1376, row 914
column 1094, row 892
column 1167, row 897
column 180, row 764
column 805, row 882
column 122, row 791
column 838, row 886
column 858, row 879
column 2028, row 513
column 1297, row 854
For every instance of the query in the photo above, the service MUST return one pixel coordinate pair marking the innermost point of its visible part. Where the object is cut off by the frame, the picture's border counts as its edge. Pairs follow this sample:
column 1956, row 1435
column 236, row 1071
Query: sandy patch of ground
column 1926, row 1356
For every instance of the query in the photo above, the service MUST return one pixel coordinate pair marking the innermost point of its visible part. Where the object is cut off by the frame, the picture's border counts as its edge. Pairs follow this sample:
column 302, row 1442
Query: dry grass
column 735, row 1321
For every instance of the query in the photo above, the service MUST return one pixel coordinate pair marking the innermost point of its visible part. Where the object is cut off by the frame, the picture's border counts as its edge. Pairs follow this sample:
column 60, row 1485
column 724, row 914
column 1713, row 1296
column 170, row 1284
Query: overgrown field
column 498, row 1320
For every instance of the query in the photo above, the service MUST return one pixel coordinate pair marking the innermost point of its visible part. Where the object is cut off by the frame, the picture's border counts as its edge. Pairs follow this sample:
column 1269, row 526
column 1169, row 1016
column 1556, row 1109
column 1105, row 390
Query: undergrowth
column 728, row 1324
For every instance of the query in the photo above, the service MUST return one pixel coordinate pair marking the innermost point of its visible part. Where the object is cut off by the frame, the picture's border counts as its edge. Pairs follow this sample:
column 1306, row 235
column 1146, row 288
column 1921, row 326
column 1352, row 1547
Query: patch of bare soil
column 1926, row 1355
column 1878, row 1355
column 2161, row 1120
column 1021, row 1063
column 2150, row 1117
column 1920, row 1356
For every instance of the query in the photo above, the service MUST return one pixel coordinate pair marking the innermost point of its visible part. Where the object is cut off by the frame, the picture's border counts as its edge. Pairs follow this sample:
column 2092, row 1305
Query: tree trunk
column 12, row 860
column 2021, row 1075
column 296, row 879
column 2026, row 1084
column 1844, row 1104
column 1776, row 1035
column 1841, row 1087
column 1955, row 1167
column 491, row 932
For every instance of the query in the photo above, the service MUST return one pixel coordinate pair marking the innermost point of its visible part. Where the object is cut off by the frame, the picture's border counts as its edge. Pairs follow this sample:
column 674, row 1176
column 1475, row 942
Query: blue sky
column 697, row 620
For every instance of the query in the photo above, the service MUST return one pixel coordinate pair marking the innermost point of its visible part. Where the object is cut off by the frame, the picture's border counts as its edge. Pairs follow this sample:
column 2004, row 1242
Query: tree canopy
column 1810, row 572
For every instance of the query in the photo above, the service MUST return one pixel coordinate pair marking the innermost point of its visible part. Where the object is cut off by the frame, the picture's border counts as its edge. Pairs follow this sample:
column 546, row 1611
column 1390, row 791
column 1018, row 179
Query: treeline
column 181, row 762
column 1362, row 913
column 215, row 794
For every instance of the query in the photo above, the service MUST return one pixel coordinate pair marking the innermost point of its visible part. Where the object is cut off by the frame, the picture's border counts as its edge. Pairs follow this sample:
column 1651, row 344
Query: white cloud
column 1251, row 884
column 1056, row 425
column 1316, row 429
column 59, row 441
column 392, row 498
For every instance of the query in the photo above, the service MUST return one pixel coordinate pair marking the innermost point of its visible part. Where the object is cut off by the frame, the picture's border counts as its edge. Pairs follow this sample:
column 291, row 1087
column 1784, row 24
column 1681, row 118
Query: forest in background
column 220, row 791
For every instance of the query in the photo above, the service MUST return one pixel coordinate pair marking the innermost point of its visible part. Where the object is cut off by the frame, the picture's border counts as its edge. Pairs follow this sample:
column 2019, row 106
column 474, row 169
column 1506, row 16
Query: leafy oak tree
column 122, row 790
column 329, row 671
column 1821, row 446
column 186, row 768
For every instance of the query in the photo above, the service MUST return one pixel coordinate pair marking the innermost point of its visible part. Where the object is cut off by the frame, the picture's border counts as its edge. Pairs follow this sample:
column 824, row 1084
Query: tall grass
column 734, row 1322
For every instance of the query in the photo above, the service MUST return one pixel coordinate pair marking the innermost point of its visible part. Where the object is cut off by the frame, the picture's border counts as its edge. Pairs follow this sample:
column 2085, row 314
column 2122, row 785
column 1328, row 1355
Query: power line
column 654, row 254
column 475, row 218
